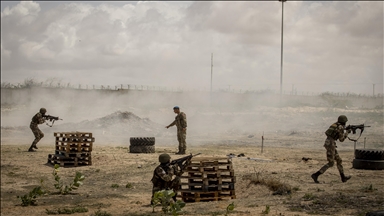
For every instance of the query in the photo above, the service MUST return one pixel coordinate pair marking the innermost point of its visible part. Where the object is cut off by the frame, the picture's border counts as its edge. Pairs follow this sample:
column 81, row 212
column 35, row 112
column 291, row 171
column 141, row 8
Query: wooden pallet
column 78, row 147
column 73, row 134
column 211, row 174
column 75, row 139
column 73, row 154
column 208, row 178
column 197, row 196
column 208, row 184
column 65, row 161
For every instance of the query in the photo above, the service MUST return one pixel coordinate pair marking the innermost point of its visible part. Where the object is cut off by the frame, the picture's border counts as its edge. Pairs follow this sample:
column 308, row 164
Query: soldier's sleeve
column 342, row 135
column 176, row 170
column 163, row 175
column 183, row 120
column 173, row 123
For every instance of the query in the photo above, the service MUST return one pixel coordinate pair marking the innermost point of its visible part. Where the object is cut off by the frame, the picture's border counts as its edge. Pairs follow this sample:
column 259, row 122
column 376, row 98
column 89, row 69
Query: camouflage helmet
column 43, row 110
column 164, row 158
column 342, row 119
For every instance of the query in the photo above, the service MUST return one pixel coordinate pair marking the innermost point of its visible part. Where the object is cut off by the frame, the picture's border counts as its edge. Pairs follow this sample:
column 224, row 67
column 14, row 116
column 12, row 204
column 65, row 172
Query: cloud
column 170, row 43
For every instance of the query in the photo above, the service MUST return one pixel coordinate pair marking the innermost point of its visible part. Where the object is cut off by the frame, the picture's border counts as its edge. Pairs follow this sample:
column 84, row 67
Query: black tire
column 142, row 141
column 369, row 154
column 375, row 213
column 142, row 149
column 368, row 164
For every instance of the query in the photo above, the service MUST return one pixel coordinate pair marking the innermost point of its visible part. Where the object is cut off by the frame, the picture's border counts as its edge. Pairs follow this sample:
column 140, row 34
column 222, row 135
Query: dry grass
column 273, row 184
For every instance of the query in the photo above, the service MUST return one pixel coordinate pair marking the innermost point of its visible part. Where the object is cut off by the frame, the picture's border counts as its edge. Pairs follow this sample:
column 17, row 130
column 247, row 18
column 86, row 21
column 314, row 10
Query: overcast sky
column 328, row 46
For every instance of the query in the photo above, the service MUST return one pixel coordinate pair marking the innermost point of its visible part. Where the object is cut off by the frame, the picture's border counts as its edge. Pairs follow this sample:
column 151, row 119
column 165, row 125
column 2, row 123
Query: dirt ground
column 291, row 134
column 21, row 171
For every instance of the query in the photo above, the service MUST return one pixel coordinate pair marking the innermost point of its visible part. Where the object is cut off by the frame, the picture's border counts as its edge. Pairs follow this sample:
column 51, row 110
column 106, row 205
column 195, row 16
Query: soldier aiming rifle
column 39, row 118
column 166, row 176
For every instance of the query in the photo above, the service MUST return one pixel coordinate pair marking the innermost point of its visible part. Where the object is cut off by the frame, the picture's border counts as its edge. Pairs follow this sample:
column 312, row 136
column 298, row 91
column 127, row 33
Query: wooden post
column 262, row 142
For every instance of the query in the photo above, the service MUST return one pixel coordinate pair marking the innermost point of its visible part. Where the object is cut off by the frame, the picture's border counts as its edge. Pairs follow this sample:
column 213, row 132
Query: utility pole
column 373, row 86
column 211, row 69
column 281, row 63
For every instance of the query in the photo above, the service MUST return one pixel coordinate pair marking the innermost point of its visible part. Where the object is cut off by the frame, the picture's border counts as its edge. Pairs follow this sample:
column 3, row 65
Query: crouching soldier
column 165, row 176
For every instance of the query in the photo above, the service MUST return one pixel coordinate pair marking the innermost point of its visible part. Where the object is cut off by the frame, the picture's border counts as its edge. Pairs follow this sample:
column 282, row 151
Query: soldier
column 181, row 124
column 334, row 132
column 36, row 120
column 165, row 176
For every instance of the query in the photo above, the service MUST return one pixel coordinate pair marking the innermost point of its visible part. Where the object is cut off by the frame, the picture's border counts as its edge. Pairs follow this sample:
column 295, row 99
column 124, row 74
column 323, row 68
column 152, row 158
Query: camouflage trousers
column 181, row 137
column 332, row 156
column 37, row 132
column 174, row 185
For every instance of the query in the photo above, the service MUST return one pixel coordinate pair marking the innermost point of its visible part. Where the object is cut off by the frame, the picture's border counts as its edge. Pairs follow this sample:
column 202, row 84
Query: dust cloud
column 113, row 116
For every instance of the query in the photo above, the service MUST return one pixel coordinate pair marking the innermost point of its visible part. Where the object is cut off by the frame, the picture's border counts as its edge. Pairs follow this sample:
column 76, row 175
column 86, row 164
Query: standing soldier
column 181, row 124
column 165, row 176
column 36, row 120
column 334, row 132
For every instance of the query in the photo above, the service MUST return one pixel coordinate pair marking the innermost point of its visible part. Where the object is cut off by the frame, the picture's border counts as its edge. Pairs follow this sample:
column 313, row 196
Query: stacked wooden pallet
column 208, row 179
column 72, row 149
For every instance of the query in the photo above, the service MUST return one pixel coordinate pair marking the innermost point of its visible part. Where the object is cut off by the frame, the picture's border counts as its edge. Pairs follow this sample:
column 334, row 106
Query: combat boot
column 344, row 178
column 315, row 176
column 34, row 146
column 31, row 149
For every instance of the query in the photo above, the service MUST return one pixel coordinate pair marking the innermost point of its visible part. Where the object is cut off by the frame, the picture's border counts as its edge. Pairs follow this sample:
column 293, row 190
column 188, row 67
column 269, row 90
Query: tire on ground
column 369, row 154
column 368, row 164
column 142, row 149
column 142, row 141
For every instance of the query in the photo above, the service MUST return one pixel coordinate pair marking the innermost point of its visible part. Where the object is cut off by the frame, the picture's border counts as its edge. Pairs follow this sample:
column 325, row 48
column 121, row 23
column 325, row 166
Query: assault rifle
column 51, row 119
column 353, row 128
column 184, row 161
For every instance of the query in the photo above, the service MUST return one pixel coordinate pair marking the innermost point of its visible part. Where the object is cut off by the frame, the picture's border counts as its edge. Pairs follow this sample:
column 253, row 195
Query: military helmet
column 176, row 107
column 43, row 110
column 164, row 158
column 342, row 119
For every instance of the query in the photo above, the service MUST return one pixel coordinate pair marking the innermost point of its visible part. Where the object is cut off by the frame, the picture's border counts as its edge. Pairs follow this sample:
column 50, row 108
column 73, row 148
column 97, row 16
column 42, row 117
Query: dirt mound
column 118, row 124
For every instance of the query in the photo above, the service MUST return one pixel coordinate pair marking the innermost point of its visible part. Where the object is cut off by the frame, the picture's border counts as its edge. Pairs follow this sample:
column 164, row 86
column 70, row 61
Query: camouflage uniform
column 162, row 179
column 334, row 132
column 36, row 120
column 181, row 123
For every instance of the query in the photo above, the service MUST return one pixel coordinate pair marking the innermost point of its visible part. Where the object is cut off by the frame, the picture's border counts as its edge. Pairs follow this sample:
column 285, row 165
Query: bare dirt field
column 291, row 133
column 21, row 171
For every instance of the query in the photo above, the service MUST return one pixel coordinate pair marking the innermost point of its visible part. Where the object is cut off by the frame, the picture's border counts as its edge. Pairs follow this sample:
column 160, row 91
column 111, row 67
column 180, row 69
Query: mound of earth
column 116, row 124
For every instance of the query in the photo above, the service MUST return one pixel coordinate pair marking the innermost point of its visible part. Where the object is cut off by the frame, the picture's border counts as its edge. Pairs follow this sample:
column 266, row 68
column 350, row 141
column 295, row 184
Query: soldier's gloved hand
column 349, row 130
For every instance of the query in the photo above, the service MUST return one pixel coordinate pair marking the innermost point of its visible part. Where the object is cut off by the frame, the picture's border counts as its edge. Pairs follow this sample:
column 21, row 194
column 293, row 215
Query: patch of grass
column 309, row 196
column 31, row 197
column 275, row 185
column 267, row 210
column 369, row 188
column 77, row 209
column 129, row 185
column 101, row 213
column 333, row 204
column 296, row 188
column 115, row 186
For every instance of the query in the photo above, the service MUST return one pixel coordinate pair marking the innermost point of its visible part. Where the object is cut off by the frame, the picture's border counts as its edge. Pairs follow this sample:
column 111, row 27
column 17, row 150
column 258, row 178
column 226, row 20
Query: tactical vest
column 333, row 131
column 36, row 118
column 156, row 178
